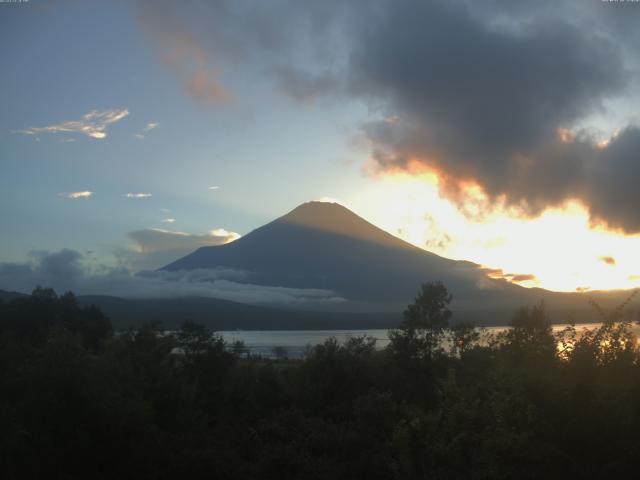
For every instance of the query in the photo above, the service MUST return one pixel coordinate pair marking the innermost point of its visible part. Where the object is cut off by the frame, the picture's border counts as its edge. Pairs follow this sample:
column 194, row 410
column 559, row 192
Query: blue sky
column 266, row 152
column 465, row 127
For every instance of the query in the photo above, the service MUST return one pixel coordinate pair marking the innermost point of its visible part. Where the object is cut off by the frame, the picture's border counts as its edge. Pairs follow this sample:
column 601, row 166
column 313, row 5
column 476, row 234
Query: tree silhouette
column 150, row 404
column 425, row 321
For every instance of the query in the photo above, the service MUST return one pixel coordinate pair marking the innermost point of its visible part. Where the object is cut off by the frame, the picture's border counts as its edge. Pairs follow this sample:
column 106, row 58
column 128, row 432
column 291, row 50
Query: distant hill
column 8, row 296
column 222, row 314
column 225, row 315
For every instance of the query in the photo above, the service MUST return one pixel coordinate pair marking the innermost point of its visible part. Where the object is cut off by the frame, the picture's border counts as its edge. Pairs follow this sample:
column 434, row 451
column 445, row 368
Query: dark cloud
column 63, row 268
column 471, row 91
column 484, row 103
column 611, row 186
column 479, row 90
column 305, row 86
column 69, row 270
column 283, row 40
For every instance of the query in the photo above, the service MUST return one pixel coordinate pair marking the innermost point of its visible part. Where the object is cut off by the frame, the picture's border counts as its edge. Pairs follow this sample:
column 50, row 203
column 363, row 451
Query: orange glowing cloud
column 192, row 64
column 560, row 249
column 565, row 135
column 524, row 278
column 183, row 53
column 608, row 260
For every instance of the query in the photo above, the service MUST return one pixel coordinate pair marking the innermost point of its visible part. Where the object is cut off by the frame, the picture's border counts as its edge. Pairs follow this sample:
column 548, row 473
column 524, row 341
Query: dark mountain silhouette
column 325, row 245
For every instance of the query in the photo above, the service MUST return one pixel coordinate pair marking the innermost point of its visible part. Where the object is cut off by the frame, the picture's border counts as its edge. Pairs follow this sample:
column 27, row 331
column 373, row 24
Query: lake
column 296, row 342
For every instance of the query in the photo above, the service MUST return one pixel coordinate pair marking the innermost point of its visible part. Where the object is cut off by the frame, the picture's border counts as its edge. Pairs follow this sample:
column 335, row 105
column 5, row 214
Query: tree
column 425, row 321
column 463, row 337
column 195, row 339
column 531, row 332
column 42, row 314
column 430, row 310
column 280, row 352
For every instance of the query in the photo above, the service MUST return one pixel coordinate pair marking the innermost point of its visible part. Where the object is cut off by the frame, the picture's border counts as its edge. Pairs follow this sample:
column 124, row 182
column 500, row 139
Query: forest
column 442, row 401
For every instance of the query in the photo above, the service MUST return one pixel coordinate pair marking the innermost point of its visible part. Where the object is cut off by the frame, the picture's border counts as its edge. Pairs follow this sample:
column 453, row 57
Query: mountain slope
column 325, row 245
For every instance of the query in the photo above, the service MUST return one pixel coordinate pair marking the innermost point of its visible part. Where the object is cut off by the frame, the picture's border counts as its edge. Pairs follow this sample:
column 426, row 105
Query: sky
column 501, row 132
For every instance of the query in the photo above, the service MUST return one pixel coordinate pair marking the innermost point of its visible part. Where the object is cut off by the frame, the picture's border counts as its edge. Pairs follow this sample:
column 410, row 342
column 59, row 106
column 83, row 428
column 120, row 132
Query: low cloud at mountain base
column 67, row 270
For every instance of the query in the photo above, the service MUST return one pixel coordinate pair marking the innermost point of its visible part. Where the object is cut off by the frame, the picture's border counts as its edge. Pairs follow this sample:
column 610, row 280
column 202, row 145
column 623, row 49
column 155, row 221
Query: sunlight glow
column 559, row 250
column 328, row 200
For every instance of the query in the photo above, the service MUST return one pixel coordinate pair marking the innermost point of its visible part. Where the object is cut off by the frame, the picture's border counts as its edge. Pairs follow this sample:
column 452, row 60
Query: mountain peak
column 332, row 217
column 318, row 210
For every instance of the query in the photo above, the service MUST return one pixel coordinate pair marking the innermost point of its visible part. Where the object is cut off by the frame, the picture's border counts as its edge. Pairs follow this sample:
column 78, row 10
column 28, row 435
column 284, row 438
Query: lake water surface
column 296, row 342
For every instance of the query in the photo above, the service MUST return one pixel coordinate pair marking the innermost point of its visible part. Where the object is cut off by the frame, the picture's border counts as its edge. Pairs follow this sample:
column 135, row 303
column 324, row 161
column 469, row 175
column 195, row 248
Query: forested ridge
column 78, row 400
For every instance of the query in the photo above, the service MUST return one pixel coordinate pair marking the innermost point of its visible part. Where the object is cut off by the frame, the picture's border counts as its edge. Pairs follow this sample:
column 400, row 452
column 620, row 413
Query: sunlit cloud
column 157, row 239
column 565, row 135
column 531, row 146
column 328, row 200
column 168, row 220
column 148, row 127
column 76, row 195
column 561, row 247
column 94, row 124
column 605, row 142
column 525, row 143
column 156, row 247
column 222, row 233
column 138, row 195
column 608, row 260
column 214, row 187
column 524, row 279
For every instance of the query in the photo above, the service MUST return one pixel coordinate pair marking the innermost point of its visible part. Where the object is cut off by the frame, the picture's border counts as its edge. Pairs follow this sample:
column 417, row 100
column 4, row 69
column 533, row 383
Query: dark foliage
column 439, row 402
column 37, row 317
